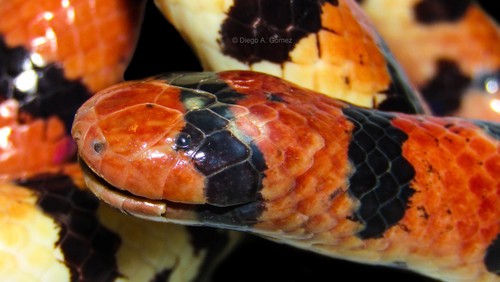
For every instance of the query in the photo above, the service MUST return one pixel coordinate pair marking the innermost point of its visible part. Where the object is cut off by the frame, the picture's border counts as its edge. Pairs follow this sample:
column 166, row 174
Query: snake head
column 147, row 146
column 128, row 135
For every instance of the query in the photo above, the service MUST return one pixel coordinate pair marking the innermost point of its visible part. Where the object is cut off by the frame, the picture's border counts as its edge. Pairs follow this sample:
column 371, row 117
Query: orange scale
column 115, row 168
column 281, row 135
column 55, row 129
column 453, row 143
column 93, row 60
column 467, row 161
column 138, row 184
column 306, row 188
column 293, row 222
column 192, row 183
column 320, row 223
column 126, row 97
column 155, row 165
column 295, row 167
column 492, row 165
column 36, row 130
column 343, row 231
column 168, row 97
column 488, row 209
column 291, row 118
column 109, row 56
column 88, row 37
column 31, row 10
column 405, row 123
column 17, row 36
column 356, row 48
column 468, row 229
column 317, row 204
column 110, row 31
column 263, row 113
column 479, row 184
column 277, row 184
column 66, row 45
column 311, row 140
column 334, row 49
column 454, row 179
column 423, row 139
column 435, row 129
column 376, row 59
column 273, row 155
column 330, row 18
column 248, row 127
column 350, row 24
column 105, row 8
column 50, row 5
column 61, row 27
column 85, row 14
column 137, row 127
column 362, row 78
column 274, row 85
column 278, row 209
column 73, row 65
column 483, row 147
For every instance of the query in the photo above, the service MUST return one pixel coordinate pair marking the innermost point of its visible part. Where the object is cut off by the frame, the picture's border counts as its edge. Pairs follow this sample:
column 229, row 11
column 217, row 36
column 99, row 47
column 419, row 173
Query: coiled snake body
column 375, row 187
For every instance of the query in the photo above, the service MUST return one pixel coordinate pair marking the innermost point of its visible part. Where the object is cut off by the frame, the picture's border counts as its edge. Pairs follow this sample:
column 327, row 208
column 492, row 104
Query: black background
column 161, row 49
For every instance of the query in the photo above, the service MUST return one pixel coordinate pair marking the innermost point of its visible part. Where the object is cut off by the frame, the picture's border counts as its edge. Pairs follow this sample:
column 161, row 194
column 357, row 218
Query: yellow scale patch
column 334, row 69
column 27, row 239
column 151, row 247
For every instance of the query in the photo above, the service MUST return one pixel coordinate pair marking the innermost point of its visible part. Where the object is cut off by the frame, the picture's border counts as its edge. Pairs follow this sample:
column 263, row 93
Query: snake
column 31, row 114
column 52, row 228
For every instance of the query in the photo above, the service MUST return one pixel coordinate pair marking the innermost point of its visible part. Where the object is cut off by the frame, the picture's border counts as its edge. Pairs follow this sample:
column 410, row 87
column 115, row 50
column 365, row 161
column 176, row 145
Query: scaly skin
column 448, row 49
column 248, row 151
column 325, row 45
column 53, row 229
column 54, row 55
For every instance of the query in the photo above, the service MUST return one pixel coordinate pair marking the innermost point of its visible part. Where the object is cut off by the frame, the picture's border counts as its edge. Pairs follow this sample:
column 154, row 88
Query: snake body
column 449, row 50
column 251, row 152
column 55, row 54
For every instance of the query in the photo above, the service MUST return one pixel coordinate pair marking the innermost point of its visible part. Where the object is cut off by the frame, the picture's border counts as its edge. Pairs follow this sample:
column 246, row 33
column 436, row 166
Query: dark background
column 161, row 49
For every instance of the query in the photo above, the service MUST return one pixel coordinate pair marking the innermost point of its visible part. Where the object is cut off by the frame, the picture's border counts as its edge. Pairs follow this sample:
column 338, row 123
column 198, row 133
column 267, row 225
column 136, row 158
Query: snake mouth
column 238, row 217
column 126, row 202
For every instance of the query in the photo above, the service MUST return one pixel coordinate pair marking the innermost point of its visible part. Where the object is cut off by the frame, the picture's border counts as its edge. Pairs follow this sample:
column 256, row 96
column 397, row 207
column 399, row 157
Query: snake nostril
column 98, row 146
column 76, row 135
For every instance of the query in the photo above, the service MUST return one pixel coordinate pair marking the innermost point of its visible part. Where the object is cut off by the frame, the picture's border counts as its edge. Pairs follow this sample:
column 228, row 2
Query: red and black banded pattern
column 225, row 159
column 299, row 167
column 382, row 176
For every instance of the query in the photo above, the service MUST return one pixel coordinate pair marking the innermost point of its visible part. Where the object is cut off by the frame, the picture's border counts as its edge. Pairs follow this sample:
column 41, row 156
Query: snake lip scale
column 155, row 210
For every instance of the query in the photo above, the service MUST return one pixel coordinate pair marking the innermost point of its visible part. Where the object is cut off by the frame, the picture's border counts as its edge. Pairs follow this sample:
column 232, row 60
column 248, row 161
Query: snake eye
column 183, row 140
